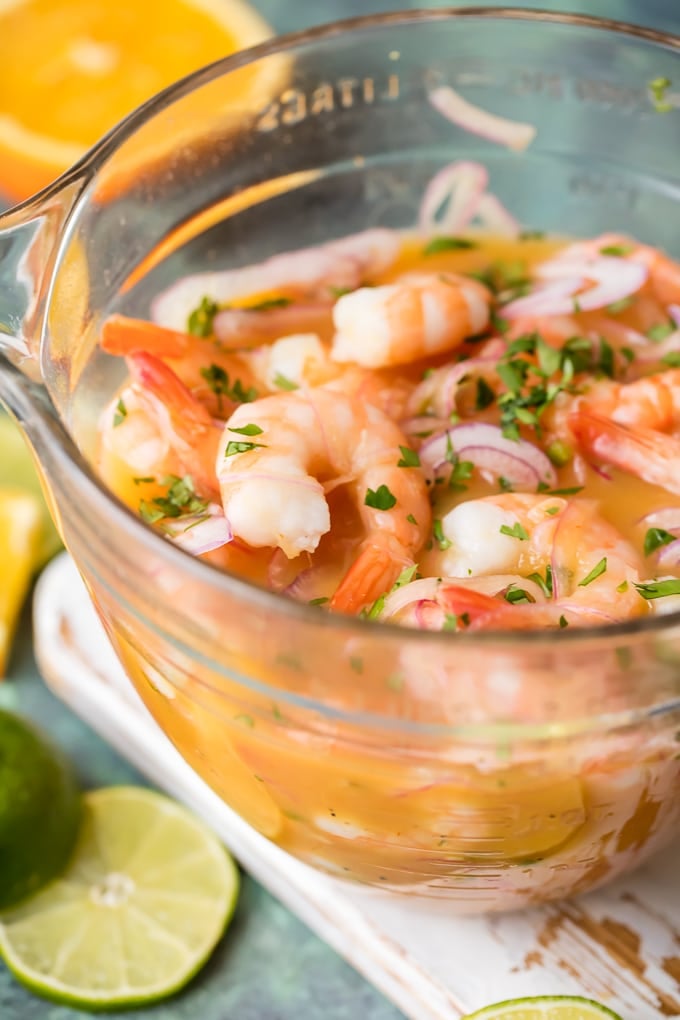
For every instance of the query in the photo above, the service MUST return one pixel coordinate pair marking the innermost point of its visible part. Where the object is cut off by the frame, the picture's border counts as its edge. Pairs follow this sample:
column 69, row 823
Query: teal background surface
column 269, row 966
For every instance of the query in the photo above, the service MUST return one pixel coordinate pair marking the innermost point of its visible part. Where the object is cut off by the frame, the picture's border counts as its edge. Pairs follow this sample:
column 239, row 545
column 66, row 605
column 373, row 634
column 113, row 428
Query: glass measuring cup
column 494, row 771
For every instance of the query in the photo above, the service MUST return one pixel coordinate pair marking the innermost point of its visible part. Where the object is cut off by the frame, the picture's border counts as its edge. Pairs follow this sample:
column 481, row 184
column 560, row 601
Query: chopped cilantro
column 374, row 611
column 564, row 492
column 218, row 381
column 660, row 331
column 405, row 577
column 605, row 361
column 409, row 457
column 450, row 622
column 544, row 583
column 234, row 447
column 655, row 539
column 439, row 536
column 532, row 235
column 552, row 510
column 149, row 513
column 411, row 519
column 596, row 572
column 564, row 622
column 616, row 249
column 504, row 484
column 628, row 353
column 282, row 383
column 516, row 531
column 321, row 601
column 269, row 303
column 658, row 88
column 338, row 292
column 659, row 589
column 144, row 479
column 485, row 395
column 672, row 359
column 380, row 498
column 619, row 306
column 120, row 414
column 248, row 430
column 622, row 587
column 440, row 244
column 200, row 321
column 517, row 596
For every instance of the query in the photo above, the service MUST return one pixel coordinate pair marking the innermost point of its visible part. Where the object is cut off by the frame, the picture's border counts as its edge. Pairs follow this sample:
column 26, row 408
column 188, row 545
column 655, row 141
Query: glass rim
column 253, row 597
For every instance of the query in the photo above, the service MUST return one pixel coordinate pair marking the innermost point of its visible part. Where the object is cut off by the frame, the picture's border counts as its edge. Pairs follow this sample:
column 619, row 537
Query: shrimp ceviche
column 457, row 428
column 446, row 432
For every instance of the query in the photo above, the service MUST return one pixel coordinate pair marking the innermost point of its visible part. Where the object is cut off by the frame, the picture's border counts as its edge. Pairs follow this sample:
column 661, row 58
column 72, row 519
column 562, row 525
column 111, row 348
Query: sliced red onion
column 200, row 533
column 522, row 463
column 655, row 351
column 237, row 328
column 602, row 470
column 669, row 555
column 674, row 312
column 341, row 263
column 667, row 517
column 463, row 114
column 423, row 426
column 494, row 217
column 421, row 596
column 428, row 615
column 554, row 298
column 425, row 588
column 614, row 278
column 305, row 586
column 463, row 184
column 440, row 389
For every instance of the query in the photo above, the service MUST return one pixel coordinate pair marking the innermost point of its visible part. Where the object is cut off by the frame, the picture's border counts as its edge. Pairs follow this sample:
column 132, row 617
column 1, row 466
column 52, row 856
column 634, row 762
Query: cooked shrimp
column 522, row 533
column 280, row 455
column 421, row 314
column 627, row 426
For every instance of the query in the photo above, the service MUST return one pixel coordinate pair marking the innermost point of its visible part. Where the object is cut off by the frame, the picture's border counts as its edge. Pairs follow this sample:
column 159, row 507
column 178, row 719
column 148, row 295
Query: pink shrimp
column 420, row 314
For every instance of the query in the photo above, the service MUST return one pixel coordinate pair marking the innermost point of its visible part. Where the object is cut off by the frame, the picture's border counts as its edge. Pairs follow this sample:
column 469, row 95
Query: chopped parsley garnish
column 658, row 88
column 485, row 395
column 218, row 381
column 552, row 510
column 233, row 447
column 440, row 244
column 517, row 596
column 532, row 235
column 268, row 304
column 622, row 587
column 659, row 589
column 619, row 306
column 439, row 536
column 660, row 331
column 562, row 492
column 338, row 292
column 282, row 383
column 200, row 321
column 596, row 572
column 628, row 353
column 516, row 531
column 180, row 500
column 450, row 622
column 564, row 622
column 656, row 538
column 504, row 484
column 411, row 519
column 380, row 498
column 616, row 249
column 144, row 479
column 672, row 359
column 321, row 601
column 405, row 577
column 544, row 583
column 120, row 414
column 409, row 457
column 461, row 473
column 248, row 430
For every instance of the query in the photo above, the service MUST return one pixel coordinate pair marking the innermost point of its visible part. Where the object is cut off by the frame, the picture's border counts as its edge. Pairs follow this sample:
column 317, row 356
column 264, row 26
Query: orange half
column 71, row 69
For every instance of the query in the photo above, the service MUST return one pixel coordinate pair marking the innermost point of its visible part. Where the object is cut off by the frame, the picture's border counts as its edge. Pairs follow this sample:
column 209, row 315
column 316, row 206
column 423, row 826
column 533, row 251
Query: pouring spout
column 29, row 241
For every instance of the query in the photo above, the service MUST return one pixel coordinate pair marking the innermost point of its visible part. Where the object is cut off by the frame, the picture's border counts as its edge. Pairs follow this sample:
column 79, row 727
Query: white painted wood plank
column 620, row 945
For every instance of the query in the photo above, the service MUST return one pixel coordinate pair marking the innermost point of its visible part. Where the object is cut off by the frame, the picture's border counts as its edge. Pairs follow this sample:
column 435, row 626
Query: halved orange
column 72, row 68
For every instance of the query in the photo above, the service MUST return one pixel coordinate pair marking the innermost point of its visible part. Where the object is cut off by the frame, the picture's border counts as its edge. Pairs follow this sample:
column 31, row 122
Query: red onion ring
column 522, row 463
column 463, row 184
column 238, row 328
column 667, row 517
column 674, row 312
column 199, row 533
column 494, row 217
column 669, row 555
column 513, row 134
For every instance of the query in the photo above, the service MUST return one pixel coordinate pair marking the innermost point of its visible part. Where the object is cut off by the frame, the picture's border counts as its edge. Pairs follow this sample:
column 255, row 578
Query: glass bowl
column 496, row 770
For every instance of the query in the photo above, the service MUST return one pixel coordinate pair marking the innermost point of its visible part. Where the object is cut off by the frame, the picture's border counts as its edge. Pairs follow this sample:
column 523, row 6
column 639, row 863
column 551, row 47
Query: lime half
column 39, row 810
column 545, row 1007
column 18, row 471
column 146, row 897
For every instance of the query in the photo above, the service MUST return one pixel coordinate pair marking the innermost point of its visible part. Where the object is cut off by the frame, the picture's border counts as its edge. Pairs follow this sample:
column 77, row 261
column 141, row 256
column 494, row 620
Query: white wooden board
column 620, row 945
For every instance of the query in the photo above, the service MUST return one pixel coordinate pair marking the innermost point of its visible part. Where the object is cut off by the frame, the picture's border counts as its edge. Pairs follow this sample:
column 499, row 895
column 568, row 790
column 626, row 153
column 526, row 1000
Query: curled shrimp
column 630, row 426
column 278, row 458
column 587, row 567
column 420, row 314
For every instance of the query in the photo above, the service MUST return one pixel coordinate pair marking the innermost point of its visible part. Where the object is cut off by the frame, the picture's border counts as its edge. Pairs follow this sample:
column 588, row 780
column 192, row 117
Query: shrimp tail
column 191, row 431
column 373, row 573
column 650, row 455
column 122, row 335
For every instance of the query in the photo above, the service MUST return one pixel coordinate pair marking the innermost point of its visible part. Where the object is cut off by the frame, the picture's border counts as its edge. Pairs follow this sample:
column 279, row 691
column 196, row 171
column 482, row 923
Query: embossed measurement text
column 296, row 105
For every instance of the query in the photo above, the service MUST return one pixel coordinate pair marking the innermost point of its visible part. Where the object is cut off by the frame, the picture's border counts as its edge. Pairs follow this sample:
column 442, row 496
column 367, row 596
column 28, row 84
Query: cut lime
column 39, row 810
column 146, row 897
column 545, row 1007
column 18, row 471
column 19, row 537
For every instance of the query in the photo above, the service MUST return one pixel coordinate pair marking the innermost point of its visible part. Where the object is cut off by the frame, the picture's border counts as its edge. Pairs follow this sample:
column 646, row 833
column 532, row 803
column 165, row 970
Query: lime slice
column 39, row 810
column 146, row 897
column 18, row 471
column 545, row 1007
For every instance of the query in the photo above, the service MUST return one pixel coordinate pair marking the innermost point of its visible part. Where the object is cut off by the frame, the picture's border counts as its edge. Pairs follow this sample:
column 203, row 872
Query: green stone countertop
column 269, row 966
